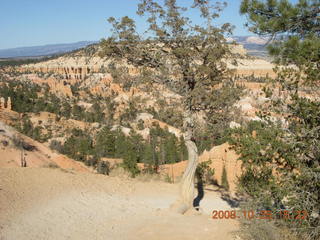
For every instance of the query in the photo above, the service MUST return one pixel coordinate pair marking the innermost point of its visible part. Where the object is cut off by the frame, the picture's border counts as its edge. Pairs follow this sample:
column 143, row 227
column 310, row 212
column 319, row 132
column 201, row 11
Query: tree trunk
column 185, row 201
column 187, row 182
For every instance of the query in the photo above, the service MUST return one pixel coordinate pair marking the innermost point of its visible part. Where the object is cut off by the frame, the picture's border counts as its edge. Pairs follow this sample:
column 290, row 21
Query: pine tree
column 137, row 143
column 105, row 143
column 148, row 158
column 27, row 126
column 78, row 146
column 195, row 53
column 120, row 144
column 130, row 159
column 154, row 146
column 295, row 31
column 182, row 149
column 170, row 146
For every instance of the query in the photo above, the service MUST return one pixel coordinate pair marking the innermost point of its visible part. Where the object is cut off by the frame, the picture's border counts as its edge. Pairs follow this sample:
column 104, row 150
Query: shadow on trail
column 196, row 201
column 233, row 202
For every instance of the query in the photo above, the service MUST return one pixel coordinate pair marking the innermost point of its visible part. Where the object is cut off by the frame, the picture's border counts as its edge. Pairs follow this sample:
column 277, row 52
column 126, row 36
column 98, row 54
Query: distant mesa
column 257, row 40
column 244, row 40
column 249, row 43
column 230, row 39
column 45, row 50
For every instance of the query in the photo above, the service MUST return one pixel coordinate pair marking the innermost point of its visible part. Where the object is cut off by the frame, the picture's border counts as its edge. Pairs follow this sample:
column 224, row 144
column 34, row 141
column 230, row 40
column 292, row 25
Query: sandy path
column 53, row 204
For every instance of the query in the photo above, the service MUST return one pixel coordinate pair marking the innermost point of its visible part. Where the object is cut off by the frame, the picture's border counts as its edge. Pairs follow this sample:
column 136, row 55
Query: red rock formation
column 9, row 103
column 56, row 86
column 221, row 156
column 3, row 105
column 68, row 72
column 255, row 72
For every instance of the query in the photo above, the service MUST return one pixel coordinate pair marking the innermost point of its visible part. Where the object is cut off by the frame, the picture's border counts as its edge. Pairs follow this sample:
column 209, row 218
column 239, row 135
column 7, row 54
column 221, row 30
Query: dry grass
column 119, row 172
column 258, row 229
column 147, row 177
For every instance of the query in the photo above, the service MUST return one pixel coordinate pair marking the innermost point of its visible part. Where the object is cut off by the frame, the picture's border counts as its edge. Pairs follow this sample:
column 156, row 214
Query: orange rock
column 220, row 156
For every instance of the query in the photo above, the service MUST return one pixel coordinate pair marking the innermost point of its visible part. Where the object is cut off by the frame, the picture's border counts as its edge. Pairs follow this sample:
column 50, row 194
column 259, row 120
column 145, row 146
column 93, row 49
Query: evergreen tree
column 170, row 147
column 97, row 113
column 27, row 126
column 195, row 53
column 78, row 112
column 137, row 141
column 291, row 152
column 131, row 159
column 120, row 144
column 182, row 149
column 36, row 134
column 105, row 143
column 78, row 146
column 295, row 31
column 103, row 167
column 69, row 147
column 148, row 158
column 66, row 110
column 154, row 146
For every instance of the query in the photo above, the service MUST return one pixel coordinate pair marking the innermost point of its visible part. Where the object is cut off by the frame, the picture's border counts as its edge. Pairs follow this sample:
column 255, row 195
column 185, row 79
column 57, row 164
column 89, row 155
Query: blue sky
column 40, row 22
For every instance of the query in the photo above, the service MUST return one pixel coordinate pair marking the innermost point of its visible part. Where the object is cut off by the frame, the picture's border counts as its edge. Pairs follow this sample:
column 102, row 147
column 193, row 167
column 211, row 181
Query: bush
column 52, row 165
column 21, row 144
column 56, row 146
column 103, row 167
column 79, row 145
column 140, row 125
column 91, row 161
column 261, row 229
column 130, row 163
column 168, row 179
column 204, row 172
column 105, row 143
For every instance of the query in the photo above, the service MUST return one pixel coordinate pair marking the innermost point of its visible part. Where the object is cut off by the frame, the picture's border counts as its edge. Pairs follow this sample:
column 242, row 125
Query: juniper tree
column 186, row 56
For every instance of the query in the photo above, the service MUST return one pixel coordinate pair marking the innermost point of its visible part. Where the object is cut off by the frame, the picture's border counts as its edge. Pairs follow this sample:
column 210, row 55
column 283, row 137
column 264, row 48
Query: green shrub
column 140, row 125
column 56, row 145
column 103, row 167
column 168, row 179
column 204, row 172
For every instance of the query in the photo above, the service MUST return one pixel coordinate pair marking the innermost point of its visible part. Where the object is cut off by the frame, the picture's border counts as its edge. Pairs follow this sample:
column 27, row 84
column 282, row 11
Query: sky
column 40, row 22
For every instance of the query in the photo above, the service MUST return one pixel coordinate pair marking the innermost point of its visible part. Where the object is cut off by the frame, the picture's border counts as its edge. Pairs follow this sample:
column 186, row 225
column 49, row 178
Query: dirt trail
column 54, row 204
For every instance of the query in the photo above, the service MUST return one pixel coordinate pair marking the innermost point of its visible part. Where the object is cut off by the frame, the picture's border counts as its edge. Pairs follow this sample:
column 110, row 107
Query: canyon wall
column 68, row 72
